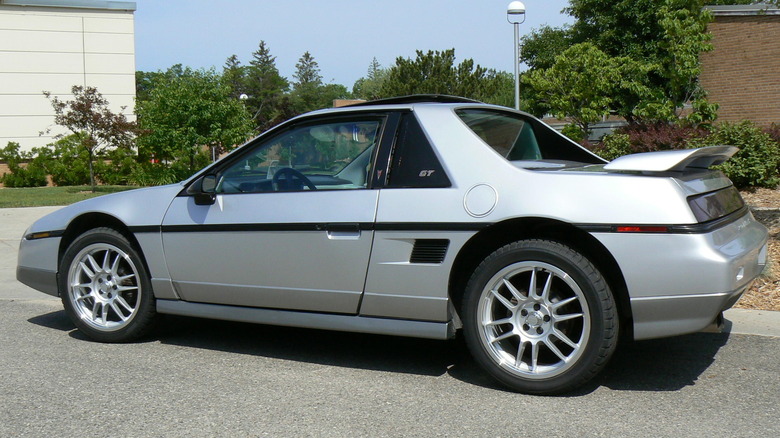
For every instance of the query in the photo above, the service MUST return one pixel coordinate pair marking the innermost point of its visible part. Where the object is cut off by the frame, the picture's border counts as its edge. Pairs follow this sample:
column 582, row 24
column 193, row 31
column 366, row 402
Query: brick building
column 742, row 72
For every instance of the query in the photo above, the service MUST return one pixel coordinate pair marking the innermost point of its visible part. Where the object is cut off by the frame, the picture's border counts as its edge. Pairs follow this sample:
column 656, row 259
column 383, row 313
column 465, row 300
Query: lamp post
column 515, row 14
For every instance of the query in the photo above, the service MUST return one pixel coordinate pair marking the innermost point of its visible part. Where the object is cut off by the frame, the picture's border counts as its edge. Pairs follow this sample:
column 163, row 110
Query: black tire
column 105, row 287
column 570, row 327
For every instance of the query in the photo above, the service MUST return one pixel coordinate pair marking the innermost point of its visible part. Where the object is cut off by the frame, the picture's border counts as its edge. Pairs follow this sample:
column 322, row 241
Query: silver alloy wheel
column 104, row 287
column 534, row 320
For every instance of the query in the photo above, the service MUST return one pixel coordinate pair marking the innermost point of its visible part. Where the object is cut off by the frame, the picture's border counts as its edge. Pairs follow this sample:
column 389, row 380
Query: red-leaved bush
column 660, row 136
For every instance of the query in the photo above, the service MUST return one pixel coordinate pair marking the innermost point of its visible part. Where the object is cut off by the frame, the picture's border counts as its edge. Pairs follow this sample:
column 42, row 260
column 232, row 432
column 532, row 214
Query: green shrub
column 31, row 175
column 774, row 132
column 613, row 145
column 573, row 132
column 756, row 163
column 116, row 166
column 66, row 161
column 152, row 174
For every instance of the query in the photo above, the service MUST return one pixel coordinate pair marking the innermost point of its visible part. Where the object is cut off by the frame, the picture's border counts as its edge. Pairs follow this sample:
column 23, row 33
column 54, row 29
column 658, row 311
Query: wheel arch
column 488, row 240
column 89, row 221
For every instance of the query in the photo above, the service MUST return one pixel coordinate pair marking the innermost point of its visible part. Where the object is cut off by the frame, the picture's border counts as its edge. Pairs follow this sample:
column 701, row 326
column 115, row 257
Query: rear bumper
column 679, row 283
column 658, row 317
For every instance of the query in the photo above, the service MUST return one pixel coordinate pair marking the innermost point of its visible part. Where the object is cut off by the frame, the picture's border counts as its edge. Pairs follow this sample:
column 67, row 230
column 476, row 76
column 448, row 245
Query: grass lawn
column 45, row 196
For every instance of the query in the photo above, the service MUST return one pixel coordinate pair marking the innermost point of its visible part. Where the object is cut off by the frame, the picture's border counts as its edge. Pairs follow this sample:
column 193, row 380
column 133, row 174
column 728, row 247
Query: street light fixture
column 515, row 14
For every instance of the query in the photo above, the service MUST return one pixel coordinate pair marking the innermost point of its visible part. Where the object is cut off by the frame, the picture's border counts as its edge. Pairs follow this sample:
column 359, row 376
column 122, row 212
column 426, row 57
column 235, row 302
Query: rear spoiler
column 673, row 161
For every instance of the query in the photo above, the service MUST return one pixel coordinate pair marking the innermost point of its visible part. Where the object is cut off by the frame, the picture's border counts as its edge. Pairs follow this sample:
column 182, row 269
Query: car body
column 417, row 216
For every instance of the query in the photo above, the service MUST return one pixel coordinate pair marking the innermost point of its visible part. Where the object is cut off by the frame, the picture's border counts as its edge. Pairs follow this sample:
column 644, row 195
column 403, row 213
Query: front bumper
column 679, row 283
column 37, row 265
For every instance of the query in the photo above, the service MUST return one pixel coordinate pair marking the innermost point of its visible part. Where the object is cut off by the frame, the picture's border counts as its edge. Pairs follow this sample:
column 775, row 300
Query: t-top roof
column 417, row 98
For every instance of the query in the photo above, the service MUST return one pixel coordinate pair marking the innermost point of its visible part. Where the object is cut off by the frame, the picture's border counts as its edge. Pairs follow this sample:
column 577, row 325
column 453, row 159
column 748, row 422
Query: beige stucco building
column 51, row 45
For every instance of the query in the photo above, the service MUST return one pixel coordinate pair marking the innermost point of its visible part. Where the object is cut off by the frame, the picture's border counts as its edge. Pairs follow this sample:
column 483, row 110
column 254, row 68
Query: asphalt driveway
column 211, row 378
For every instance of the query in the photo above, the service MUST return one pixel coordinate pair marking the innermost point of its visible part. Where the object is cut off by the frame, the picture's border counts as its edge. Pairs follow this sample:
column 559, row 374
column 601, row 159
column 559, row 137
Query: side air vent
column 429, row 250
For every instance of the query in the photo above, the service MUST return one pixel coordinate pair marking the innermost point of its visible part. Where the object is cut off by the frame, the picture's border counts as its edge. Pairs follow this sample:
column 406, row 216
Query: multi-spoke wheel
column 105, row 287
column 539, row 317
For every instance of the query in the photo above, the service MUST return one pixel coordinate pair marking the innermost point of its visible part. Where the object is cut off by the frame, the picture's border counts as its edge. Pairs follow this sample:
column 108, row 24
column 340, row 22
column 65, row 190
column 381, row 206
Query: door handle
column 343, row 231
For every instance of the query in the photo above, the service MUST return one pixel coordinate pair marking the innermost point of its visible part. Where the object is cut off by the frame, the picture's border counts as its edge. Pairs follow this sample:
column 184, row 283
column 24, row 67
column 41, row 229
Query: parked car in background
column 420, row 216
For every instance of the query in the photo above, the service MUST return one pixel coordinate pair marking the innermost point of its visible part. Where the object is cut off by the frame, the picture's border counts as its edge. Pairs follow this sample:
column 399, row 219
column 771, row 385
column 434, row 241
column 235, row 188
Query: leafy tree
column 664, row 38
column 541, row 46
column 265, row 89
column 187, row 110
column 330, row 92
column 143, row 84
column 145, row 80
column 580, row 84
column 88, row 117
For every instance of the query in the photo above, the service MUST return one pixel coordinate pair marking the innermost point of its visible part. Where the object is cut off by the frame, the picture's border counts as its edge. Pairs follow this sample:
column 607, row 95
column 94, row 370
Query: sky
column 343, row 36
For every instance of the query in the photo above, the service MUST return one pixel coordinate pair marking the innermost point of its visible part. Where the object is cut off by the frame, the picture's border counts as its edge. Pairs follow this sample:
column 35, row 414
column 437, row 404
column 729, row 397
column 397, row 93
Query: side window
column 413, row 163
column 325, row 156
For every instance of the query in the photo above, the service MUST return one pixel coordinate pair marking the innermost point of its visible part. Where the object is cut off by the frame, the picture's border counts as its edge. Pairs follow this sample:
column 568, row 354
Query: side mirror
column 207, row 194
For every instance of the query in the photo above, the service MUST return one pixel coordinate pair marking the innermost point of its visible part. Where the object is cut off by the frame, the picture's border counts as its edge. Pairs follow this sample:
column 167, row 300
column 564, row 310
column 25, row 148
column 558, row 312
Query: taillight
column 714, row 205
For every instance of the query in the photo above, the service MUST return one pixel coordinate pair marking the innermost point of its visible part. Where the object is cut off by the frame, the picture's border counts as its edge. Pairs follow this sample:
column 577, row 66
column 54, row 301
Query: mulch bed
column 765, row 293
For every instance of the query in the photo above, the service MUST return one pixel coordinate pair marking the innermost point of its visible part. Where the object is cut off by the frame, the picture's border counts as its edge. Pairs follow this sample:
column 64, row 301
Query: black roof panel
column 418, row 98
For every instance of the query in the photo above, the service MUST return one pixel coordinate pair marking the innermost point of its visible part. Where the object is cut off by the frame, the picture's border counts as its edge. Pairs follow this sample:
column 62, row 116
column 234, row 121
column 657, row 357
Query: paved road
column 207, row 378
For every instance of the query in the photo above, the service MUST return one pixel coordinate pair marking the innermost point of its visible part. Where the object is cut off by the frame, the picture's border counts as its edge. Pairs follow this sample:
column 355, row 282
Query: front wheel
column 105, row 287
column 539, row 317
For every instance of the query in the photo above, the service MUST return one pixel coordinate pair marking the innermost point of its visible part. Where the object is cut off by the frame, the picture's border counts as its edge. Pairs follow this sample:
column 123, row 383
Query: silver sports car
column 419, row 216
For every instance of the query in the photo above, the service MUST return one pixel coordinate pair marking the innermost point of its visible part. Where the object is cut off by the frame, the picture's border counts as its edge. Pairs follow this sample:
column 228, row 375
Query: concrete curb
column 752, row 322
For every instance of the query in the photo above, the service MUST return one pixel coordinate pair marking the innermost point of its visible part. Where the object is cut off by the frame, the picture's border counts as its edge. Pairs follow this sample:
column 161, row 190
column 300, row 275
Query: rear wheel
column 105, row 287
column 539, row 317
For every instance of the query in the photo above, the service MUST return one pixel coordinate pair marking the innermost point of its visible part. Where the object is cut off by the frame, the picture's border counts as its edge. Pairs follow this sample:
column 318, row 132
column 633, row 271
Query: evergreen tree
column 309, row 93
column 264, row 87
column 234, row 75
column 435, row 72
column 307, row 72
column 369, row 87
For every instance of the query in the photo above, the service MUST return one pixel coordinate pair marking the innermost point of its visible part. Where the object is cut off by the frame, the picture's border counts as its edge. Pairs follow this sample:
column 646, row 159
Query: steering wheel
column 284, row 177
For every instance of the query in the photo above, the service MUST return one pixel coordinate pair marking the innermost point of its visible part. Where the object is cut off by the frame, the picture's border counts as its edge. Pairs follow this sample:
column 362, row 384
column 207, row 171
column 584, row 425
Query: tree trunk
column 91, row 173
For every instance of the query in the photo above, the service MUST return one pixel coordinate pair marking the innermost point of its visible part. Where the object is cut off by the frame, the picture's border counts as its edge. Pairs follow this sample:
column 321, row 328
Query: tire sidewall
column 600, row 336
column 145, row 311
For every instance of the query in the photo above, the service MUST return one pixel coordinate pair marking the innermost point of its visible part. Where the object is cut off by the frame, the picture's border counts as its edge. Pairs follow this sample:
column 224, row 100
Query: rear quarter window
column 519, row 138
